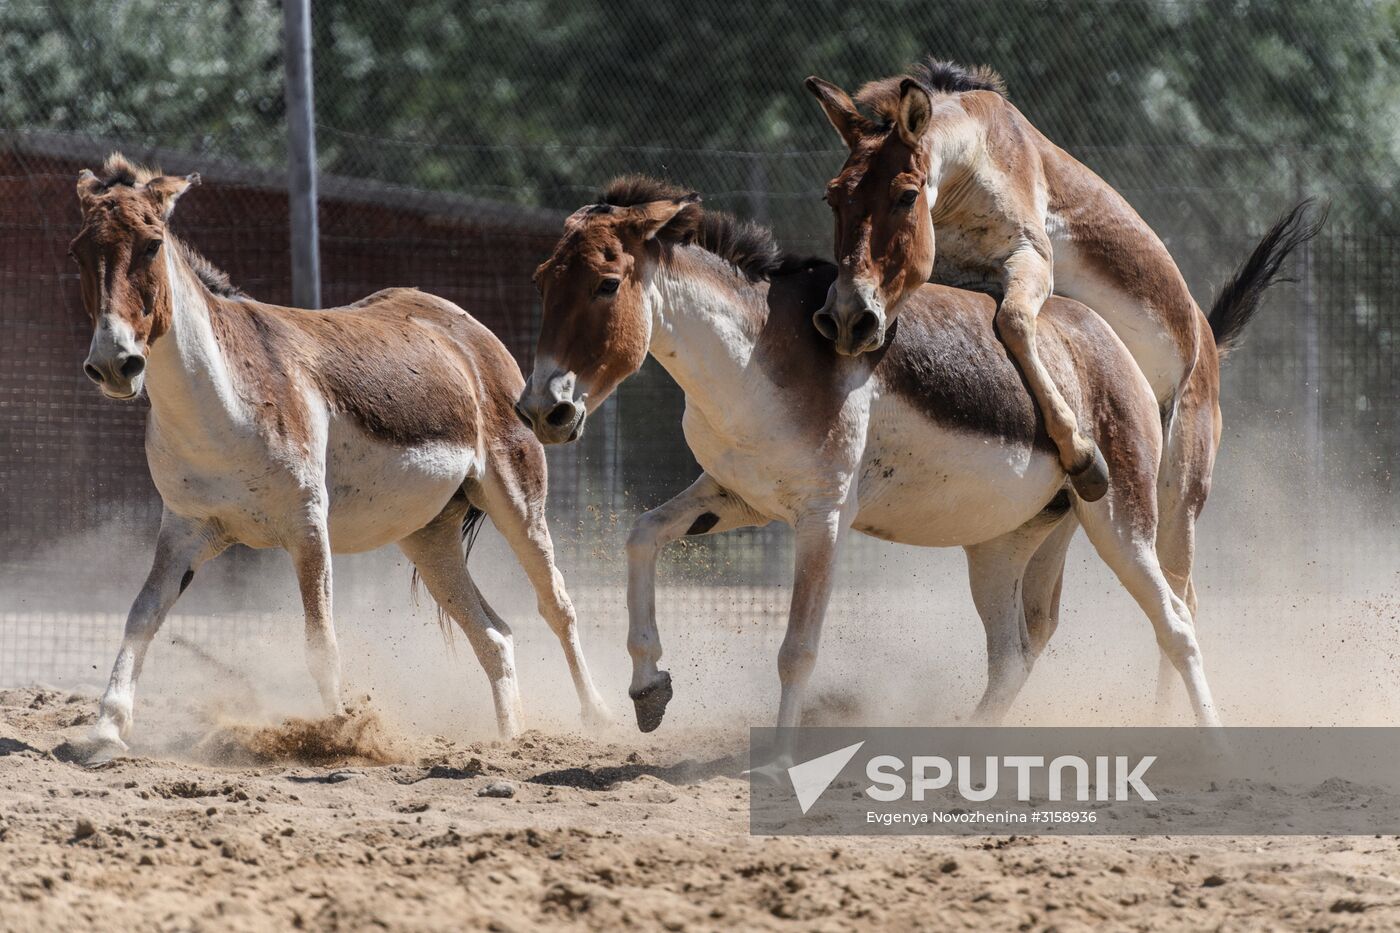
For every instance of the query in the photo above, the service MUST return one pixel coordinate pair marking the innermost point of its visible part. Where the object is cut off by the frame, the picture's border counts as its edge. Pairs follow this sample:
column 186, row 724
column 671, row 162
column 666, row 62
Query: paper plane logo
column 811, row 778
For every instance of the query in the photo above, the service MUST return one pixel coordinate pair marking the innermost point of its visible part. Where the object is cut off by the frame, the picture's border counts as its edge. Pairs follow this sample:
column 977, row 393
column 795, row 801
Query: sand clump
column 357, row 736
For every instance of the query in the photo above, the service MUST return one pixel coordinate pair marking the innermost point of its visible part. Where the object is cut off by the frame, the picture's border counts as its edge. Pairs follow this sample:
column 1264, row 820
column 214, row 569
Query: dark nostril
column 865, row 327
column 132, row 367
column 561, row 415
column 825, row 324
column 93, row 373
column 524, row 418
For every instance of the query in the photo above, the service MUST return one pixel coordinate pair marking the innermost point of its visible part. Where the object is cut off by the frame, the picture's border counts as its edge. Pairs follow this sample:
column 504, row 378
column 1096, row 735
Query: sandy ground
column 350, row 825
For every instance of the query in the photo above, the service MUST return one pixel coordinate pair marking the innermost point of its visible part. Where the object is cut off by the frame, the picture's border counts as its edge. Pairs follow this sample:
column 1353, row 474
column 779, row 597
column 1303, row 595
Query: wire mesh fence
column 454, row 137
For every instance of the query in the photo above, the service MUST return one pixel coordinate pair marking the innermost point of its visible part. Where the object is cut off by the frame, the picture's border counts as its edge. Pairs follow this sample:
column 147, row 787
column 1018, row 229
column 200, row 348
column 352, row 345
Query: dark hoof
column 91, row 751
column 651, row 702
column 1091, row 483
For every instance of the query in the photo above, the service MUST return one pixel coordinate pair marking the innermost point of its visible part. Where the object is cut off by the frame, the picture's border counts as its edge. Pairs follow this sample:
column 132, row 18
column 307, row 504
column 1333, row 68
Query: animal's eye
column 608, row 286
column 152, row 248
column 908, row 196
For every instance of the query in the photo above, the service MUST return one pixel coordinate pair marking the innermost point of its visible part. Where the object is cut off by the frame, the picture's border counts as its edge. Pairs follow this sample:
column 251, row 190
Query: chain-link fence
column 454, row 136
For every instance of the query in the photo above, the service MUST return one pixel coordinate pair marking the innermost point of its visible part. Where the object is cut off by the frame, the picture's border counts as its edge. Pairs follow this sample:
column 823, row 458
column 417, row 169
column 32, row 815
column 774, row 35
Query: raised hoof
column 1091, row 483
column 651, row 701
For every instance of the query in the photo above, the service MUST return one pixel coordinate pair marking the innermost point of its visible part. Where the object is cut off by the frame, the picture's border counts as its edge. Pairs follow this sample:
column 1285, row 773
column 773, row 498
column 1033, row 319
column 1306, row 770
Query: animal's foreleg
column 311, row 557
column 704, row 508
column 1028, row 282
column 182, row 546
column 818, row 541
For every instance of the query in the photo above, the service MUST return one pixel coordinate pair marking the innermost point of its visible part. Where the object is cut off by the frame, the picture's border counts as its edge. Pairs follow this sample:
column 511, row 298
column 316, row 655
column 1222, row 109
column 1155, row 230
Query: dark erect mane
column 937, row 77
column 214, row 278
column 748, row 246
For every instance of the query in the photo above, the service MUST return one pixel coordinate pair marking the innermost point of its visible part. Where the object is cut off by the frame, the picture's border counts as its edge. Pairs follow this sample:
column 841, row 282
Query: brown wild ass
column 930, row 439
column 950, row 180
column 315, row 431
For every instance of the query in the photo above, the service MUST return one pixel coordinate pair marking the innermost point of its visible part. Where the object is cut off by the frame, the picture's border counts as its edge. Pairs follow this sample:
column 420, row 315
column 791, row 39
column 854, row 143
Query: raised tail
column 1237, row 301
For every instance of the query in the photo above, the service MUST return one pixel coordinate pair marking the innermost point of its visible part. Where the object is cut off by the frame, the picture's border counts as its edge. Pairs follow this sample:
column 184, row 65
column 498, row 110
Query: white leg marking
column 437, row 553
column 521, row 519
column 312, row 558
column 653, row 531
column 1133, row 557
column 182, row 546
column 817, row 544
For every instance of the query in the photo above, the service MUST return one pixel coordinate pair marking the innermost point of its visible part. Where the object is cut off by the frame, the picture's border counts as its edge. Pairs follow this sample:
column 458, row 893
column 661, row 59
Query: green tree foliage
column 541, row 100
column 202, row 77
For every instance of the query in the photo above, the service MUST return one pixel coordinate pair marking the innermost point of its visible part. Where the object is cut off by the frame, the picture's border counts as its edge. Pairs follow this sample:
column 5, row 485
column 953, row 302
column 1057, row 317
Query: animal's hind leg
column 1182, row 489
column 1043, row 583
column 437, row 553
column 1027, row 286
column 1175, row 549
column 513, row 495
column 183, row 545
column 996, row 570
column 1127, row 543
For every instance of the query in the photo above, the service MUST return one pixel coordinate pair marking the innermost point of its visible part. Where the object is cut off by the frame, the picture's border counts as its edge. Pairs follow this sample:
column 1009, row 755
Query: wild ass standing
column 931, row 439
column 951, row 180
column 314, row 431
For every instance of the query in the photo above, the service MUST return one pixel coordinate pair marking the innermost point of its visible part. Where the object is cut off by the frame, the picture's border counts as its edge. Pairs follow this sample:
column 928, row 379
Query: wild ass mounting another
column 314, row 431
column 947, row 178
column 931, row 439
column 946, row 153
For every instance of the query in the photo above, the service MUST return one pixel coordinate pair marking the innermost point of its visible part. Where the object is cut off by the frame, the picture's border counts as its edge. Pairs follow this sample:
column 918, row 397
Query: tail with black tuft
column 1239, row 298
column 471, row 528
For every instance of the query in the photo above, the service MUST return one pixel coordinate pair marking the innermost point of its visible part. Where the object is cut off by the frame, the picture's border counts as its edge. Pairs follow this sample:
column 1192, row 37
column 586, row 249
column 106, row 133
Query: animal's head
column 125, row 285
column 880, row 200
column 595, row 330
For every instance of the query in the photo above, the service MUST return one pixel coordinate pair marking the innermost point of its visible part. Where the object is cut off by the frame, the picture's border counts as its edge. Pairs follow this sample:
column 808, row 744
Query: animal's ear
column 165, row 190
column 839, row 109
column 651, row 218
column 915, row 107
column 88, row 187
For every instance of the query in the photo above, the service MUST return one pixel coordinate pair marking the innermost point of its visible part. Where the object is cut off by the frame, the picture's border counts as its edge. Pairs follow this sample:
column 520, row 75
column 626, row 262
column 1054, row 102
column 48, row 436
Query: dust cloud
column 1298, row 592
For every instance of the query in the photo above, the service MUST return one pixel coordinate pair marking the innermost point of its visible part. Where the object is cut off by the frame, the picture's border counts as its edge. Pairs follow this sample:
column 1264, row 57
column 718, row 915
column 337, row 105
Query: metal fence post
column 301, row 153
column 1309, row 327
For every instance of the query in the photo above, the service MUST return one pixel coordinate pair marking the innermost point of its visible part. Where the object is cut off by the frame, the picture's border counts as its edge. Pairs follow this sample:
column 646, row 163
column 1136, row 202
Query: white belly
column 918, row 483
column 925, row 485
column 380, row 493
column 224, row 475
column 377, row 493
